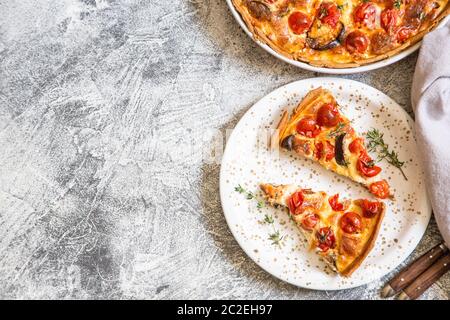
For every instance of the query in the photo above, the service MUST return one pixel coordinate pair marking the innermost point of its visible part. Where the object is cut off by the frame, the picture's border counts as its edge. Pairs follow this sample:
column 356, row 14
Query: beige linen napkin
column 430, row 96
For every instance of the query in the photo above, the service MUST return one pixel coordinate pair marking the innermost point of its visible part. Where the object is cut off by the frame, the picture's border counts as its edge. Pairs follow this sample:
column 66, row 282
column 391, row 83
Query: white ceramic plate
column 306, row 66
column 248, row 162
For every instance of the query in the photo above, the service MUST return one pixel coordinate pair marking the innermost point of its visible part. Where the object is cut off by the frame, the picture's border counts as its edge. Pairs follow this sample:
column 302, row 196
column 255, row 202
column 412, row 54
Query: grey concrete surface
column 99, row 195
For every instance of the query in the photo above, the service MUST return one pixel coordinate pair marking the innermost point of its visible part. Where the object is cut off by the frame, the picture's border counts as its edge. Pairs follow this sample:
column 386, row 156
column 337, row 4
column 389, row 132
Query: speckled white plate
column 248, row 162
column 307, row 66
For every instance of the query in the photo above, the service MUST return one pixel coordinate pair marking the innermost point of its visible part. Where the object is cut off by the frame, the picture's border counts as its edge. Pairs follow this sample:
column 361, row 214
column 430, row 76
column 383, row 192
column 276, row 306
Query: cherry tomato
column 370, row 208
column 326, row 238
column 388, row 19
column 308, row 127
column 380, row 189
column 329, row 151
column 329, row 13
column 365, row 14
column 295, row 201
column 366, row 167
column 356, row 146
column 310, row 221
column 403, row 33
column 299, row 22
column 356, row 41
column 321, row 150
column 328, row 115
column 318, row 152
column 334, row 203
column 351, row 222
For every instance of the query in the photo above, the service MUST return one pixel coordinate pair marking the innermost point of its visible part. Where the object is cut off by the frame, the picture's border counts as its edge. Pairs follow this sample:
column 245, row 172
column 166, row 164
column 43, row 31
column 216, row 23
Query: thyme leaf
column 276, row 237
column 268, row 219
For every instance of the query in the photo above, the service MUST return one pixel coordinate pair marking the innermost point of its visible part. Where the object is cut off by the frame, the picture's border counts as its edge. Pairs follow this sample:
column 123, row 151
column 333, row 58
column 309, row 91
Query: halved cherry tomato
column 329, row 13
column 334, row 203
column 326, row 149
column 365, row 14
column 351, row 222
column 326, row 238
column 328, row 115
column 318, row 152
column 329, row 151
column 308, row 127
column 356, row 146
column 403, row 33
column 366, row 167
column 356, row 41
column 310, row 221
column 370, row 208
column 295, row 201
column 299, row 22
column 380, row 189
column 388, row 19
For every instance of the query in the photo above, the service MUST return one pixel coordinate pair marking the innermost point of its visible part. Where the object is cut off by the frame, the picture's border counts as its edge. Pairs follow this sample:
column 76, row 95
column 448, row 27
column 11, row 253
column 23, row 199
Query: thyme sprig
column 337, row 131
column 275, row 236
column 249, row 195
column 376, row 144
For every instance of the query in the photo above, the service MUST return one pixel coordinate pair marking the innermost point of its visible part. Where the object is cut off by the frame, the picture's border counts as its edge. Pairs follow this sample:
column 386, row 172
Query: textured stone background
column 100, row 197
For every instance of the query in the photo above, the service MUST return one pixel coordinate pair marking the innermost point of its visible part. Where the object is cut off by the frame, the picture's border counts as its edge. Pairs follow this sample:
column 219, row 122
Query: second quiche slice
column 317, row 130
column 341, row 231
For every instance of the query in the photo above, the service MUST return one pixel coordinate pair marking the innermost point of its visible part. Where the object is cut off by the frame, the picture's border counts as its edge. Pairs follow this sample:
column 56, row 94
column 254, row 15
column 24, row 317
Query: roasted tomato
column 322, row 149
column 308, row 127
column 310, row 221
column 299, row 22
column 329, row 13
column 388, row 19
column 351, row 222
column 356, row 41
column 326, row 238
column 335, row 204
column 328, row 151
column 295, row 201
column 365, row 14
column 380, row 189
column 404, row 33
column 366, row 167
column 370, row 208
column 318, row 152
column 356, row 146
column 328, row 115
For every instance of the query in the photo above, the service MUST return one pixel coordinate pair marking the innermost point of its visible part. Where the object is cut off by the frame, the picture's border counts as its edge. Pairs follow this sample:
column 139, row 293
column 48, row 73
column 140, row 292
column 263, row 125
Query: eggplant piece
column 287, row 142
column 339, row 150
column 322, row 36
column 258, row 9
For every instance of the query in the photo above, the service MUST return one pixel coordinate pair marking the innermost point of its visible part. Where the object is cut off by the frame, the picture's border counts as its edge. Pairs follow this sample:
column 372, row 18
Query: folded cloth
column 430, row 96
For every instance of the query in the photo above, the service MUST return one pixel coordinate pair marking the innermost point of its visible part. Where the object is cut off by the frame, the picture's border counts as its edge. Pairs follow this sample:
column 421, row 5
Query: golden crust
column 347, row 272
column 311, row 96
column 261, row 37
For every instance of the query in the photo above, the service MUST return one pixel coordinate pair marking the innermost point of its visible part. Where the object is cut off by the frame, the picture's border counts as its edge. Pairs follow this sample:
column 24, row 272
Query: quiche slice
column 341, row 231
column 319, row 131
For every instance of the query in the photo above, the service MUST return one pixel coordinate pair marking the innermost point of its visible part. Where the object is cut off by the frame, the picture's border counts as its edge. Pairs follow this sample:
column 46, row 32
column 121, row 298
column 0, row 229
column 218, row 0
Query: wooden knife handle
column 407, row 275
column 426, row 279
